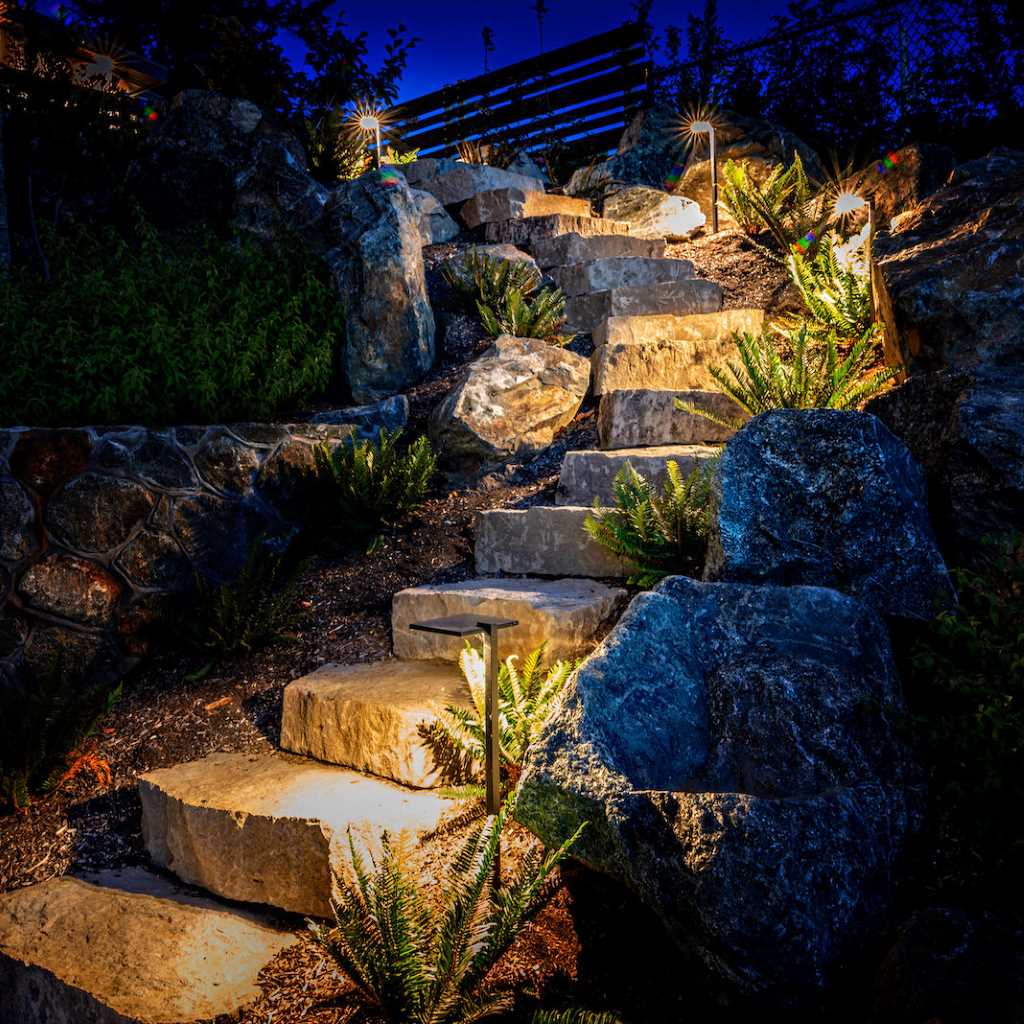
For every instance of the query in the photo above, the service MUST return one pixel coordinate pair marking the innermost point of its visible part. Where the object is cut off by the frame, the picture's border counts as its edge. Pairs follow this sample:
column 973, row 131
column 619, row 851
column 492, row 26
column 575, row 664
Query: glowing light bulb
column 848, row 202
column 700, row 127
column 369, row 122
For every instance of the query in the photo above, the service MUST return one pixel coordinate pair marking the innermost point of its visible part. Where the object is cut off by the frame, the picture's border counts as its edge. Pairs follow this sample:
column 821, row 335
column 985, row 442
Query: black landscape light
column 470, row 625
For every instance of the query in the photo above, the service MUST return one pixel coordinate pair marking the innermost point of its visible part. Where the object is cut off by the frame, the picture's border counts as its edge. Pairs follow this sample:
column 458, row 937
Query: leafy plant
column 336, row 153
column 965, row 673
column 250, row 612
column 424, row 958
column 393, row 156
column 478, row 279
column 376, row 482
column 526, row 697
column 539, row 317
column 574, row 1017
column 738, row 191
column 806, row 375
column 46, row 728
column 131, row 328
column 660, row 534
column 494, row 154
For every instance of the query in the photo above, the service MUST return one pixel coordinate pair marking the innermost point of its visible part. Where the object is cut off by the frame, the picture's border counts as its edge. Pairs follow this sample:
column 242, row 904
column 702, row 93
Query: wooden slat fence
column 581, row 95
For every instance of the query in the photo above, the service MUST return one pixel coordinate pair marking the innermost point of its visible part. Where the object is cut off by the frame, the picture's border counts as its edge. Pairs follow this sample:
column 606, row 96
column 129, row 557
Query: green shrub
column 965, row 676
column 659, row 534
column 744, row 199
column 424, row 957
column 134, row 329
column 45, row 728
column 526, row 697
column 539, row 317
column 375, row 482
column 797, row 374
column 252, row 611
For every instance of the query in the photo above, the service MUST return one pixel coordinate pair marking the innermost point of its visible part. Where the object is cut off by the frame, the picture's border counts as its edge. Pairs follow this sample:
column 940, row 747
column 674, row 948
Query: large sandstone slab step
column 271, row 828
column 529, row 231
column 674, row 298
column 453, row 182
column 127, row 946
column 642, row 417
column 514, row 204
column 546, row 540
column 570, row 615
column 589, row 476
column 618, row 272
column 374, row 718
column 666, row 352
column 573, row 247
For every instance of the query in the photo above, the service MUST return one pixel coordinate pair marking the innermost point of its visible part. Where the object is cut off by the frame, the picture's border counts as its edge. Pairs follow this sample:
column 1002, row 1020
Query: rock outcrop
column 719, row 744
column 830, row 499
column 512, row 402
column 436, row 226
column 654, row 213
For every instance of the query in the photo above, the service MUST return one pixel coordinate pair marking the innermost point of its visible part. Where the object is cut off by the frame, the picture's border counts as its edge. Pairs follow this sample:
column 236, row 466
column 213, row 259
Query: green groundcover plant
column 133, row 327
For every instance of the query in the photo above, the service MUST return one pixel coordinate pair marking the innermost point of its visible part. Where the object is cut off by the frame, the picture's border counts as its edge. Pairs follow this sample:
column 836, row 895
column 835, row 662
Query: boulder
column 718, row 745
column 512, row 401
column 918, row 170
column 640, row 417
column 455, row 183
column 832, row 499
column 967, row 432
column 653, row 213
column 525, row 164
column 375, row 255
column 368, row 420
column 436, row 226
column 419, row 172
column 950, row 273
column 514, row 204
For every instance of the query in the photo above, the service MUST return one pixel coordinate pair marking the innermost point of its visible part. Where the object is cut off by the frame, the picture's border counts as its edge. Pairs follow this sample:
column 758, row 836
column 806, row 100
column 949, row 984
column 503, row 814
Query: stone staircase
column 270, row 828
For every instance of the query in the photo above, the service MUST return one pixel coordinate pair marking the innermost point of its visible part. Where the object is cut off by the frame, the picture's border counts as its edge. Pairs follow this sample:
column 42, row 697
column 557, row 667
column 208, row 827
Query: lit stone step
column 619, row 272
column 374, row 717
column 546, row 540
column 573, row 247
column 641, row 417
column 589, row 476
column 514, row 204
column 271, row 828
column 528, row 231
column 127, row 946
column 570, row 615
column 666, row 352
column 674, row 298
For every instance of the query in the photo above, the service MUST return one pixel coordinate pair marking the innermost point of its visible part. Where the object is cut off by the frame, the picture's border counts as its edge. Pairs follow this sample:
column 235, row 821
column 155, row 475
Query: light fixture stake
column 714, row 180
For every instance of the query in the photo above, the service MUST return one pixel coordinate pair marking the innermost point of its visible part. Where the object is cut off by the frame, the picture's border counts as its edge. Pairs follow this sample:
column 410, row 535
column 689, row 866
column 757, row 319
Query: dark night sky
column 450, row 32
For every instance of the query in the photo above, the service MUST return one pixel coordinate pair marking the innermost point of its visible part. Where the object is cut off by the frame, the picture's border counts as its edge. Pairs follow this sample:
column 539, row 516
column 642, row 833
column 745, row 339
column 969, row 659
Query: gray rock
column 427, row 169
column 654, row 213
column 589, row 476
column 672, row 298
column 17, row 515
column 619, row 272
column 525, row 164
column 72, row 588
column 375, row 255
column 639, row 417
column 571, row 247
column 436, row 226
column 513, row 401
column 368, row 420
column 531, row 231
column 458, row 182
column 503, row 204
column 831, row 499
column 719, row 746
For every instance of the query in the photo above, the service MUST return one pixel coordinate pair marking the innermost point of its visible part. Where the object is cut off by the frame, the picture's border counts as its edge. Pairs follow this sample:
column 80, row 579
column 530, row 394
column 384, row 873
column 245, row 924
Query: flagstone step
column 666, row 352
column 527, row 231
column 643, row 417
column 569, row 615
column 502, row 204
column 375, row 717
column 674, row 298
column 589, row 476
column 272, row 828
column 124, row 946
column 545, row 540
column 573, row 247
column 618, row 272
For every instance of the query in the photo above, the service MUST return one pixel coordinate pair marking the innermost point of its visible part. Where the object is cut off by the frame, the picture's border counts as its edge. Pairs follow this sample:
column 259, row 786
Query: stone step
column 529, row 231
column 673, row 298
column 570, row 615
column 272, row 828
column 452, row 182
column 642, row 417
column 374, row 717
column 589, row 476
column 618, row 272
column 502, row 204
column 546, row 540
column 125, row 946
column 666, row 352
column 573, row 247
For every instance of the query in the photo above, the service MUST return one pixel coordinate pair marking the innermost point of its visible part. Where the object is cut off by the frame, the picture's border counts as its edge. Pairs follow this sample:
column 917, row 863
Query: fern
column 541, row 317
column 376, row 482
column 526, row 697
column 660, row 534
column 488, row 280
column 737, row 195
column 811, row 376
column 425, row 958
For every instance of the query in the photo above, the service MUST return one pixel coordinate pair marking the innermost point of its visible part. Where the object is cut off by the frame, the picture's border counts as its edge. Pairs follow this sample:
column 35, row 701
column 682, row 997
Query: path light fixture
column 369, row 120
column 703, row 126
column 848, row 203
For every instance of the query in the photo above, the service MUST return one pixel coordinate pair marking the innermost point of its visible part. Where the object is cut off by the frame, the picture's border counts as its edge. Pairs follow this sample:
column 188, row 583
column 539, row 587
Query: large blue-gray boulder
column 734, row 750
column 827, row 498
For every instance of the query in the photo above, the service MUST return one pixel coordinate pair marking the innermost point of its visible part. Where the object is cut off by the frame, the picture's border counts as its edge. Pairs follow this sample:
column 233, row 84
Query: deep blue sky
column 451, row 48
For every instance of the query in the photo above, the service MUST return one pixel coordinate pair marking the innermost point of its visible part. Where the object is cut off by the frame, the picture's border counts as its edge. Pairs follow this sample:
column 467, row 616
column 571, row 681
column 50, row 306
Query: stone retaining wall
column 101, row 527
